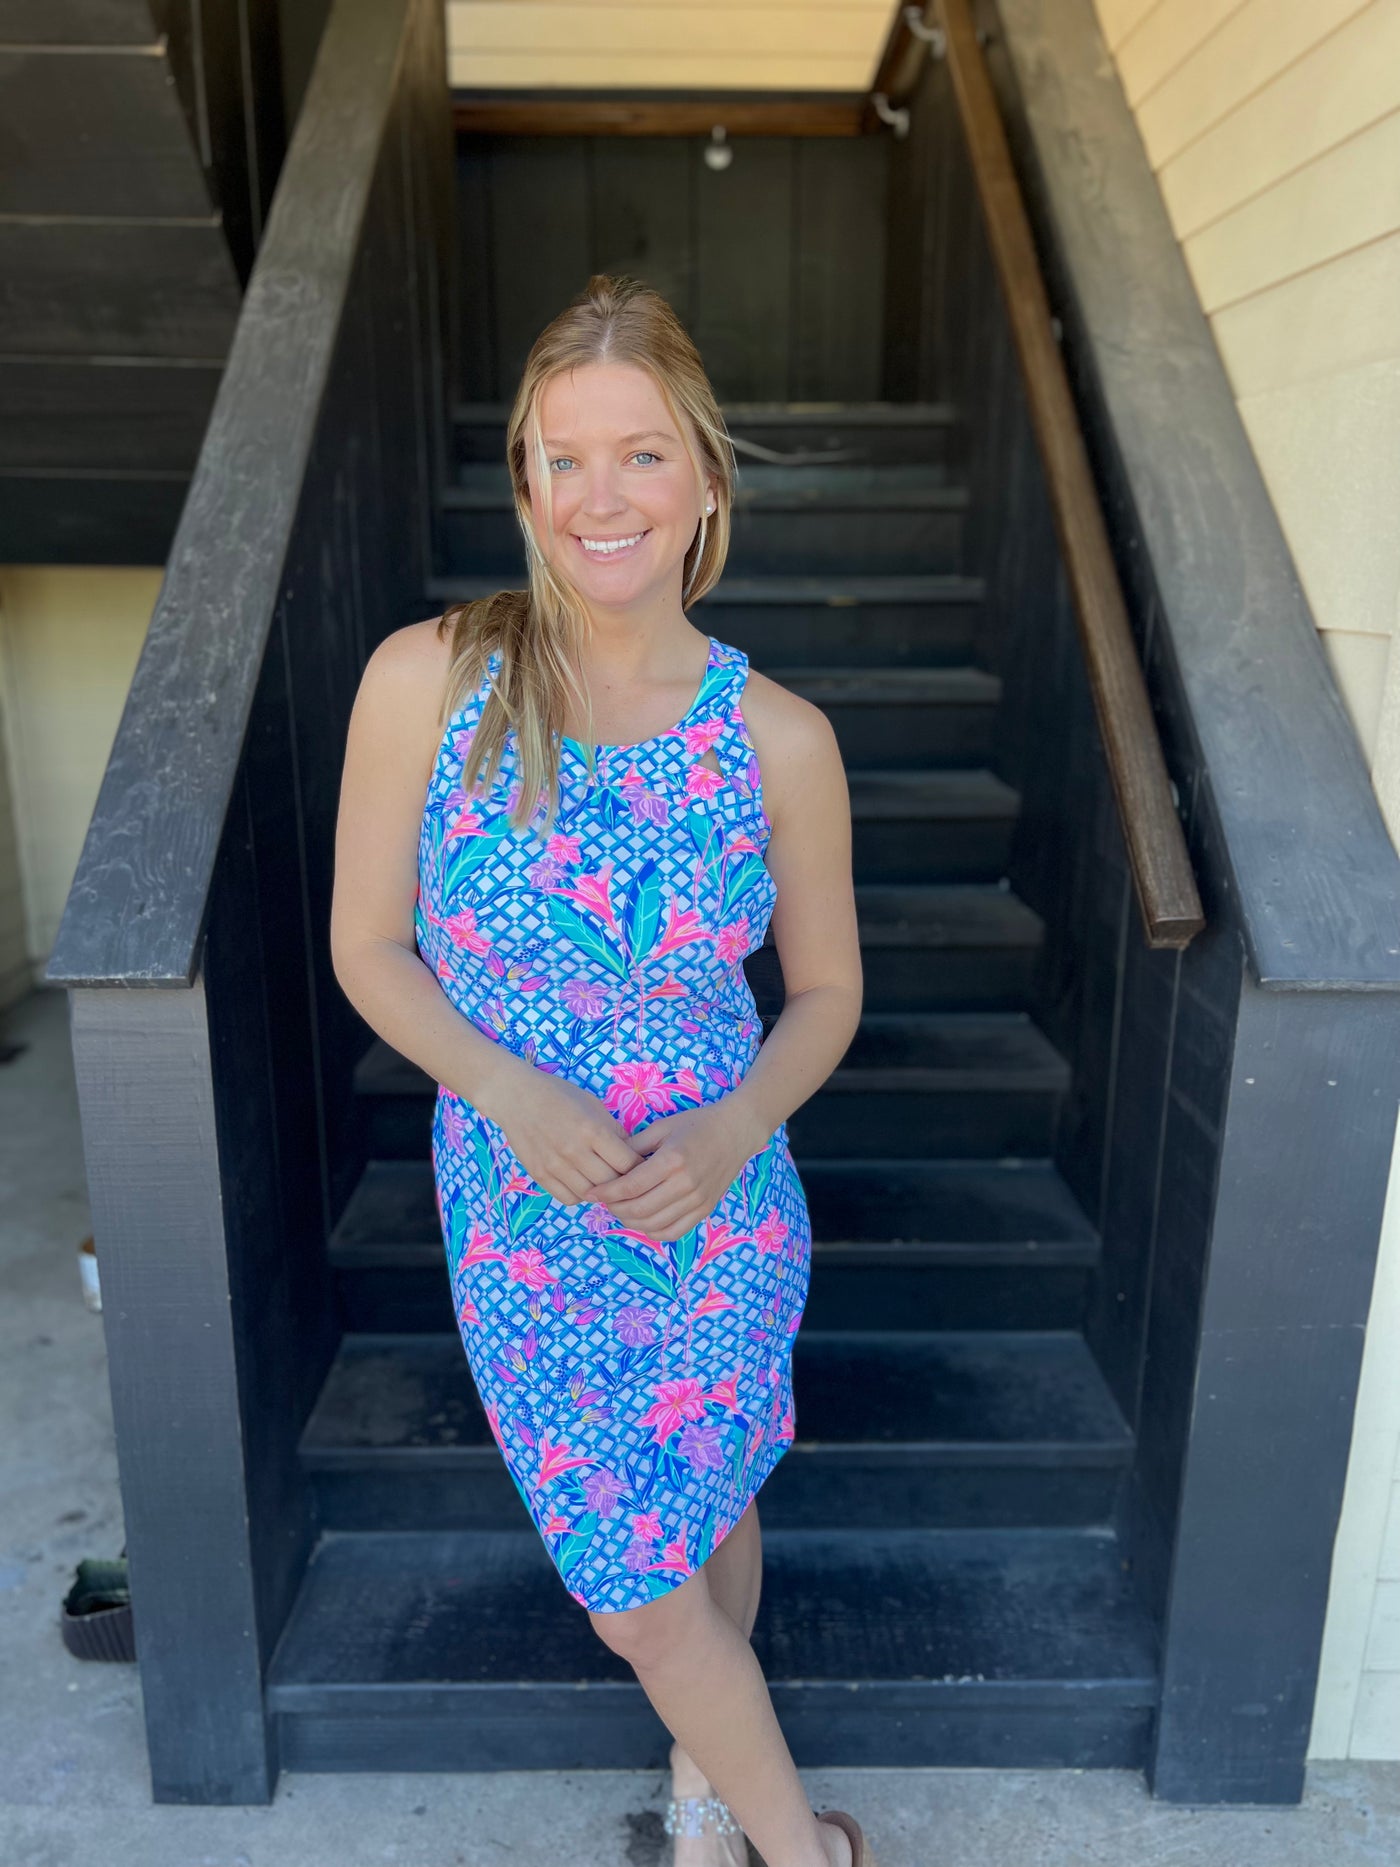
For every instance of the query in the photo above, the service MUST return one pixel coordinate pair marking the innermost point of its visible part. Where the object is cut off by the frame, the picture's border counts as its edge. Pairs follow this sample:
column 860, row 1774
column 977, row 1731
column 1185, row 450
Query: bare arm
column 693, row 1157
column 565, row 1138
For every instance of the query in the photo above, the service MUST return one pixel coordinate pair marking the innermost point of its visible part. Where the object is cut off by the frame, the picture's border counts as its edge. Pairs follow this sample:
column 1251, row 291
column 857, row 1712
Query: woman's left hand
column 692, row 1159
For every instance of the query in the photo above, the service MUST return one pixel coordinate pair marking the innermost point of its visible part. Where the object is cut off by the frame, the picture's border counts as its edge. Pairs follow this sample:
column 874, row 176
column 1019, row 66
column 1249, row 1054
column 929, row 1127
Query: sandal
column 862, row 1854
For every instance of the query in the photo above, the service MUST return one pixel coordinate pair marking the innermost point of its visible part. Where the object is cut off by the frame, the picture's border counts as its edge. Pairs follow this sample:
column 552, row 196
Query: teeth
column 610, row 544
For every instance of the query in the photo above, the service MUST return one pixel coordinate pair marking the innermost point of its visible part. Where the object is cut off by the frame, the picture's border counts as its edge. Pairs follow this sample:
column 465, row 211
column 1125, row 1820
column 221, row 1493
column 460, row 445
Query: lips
column 618, row 551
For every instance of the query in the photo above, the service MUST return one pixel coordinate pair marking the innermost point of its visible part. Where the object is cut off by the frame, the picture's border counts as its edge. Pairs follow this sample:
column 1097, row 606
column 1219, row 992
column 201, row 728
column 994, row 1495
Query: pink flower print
column 519, row 1183
column 594, row 894
column 683, row 928
column 699, row 739
column 480, row 1248
column 771, row 1233
column 467, row 822
column 467, row 1312
column 787, row 1425
column 601, row 1490
column 700, row 781
column 676, row 1402
column 636, row 1324
column 585, row 999
column 637, row 1090
column 554, row 1523
column 564, row 849
column 670, row 987
column 454, row 1129
column 688, row 1083
column 742, row 845
column 726, row 1392
column 646, row 1526
column 701, row 1448
column 461, row 930
column 556, row 1459
column 719, row 1237
column 713, row 1301
column 732, row 942
column 527, row 1266
column 674, row 1557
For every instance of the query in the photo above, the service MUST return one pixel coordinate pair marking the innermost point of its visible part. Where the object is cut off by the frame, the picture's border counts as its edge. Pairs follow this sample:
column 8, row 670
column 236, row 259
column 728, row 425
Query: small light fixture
column 718, row 154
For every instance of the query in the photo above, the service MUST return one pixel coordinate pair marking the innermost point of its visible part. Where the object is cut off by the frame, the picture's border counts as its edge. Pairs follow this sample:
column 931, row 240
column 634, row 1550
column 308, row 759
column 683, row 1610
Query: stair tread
column 964, row 914
column 837, row 590
column 958, row 792
column 409, row 1618
column 959, row 1392
column 765, row 485
column 799, row 414
column 972, row 1049
column 891, row 686
column 973, row 1210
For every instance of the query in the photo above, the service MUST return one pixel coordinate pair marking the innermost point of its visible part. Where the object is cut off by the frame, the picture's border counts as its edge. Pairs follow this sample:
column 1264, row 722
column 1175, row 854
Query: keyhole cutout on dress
column 710, row 762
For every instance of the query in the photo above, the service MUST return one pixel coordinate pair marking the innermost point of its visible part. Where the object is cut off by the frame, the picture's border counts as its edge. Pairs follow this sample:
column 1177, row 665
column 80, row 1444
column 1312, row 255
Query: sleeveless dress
column 640, row 1391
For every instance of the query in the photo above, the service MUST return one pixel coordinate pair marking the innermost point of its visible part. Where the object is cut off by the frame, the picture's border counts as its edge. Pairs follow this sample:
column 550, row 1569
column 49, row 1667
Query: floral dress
column 640, row 1391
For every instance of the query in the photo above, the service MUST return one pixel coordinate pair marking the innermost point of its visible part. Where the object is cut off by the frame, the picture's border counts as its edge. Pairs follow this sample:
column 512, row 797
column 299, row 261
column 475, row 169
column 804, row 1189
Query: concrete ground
column 74, row 1786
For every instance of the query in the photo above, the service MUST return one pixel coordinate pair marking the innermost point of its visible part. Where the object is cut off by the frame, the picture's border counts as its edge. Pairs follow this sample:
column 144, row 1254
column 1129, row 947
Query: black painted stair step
column 878, row 431
column 991, row 1397
column 960, row 1244
column 950, row 825
column 906, row 717
column 485, row 485
column 837, row 618
column 895, row 1428
column 452, row 1650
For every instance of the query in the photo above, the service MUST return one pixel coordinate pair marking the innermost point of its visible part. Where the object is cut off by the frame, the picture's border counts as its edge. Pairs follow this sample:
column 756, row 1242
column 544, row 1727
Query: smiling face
column 626, row 505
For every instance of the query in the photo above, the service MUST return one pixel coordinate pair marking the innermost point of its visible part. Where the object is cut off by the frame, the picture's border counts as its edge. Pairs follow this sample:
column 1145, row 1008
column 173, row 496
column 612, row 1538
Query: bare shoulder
column 796, row 746
column 788, row 732
column 402, row 688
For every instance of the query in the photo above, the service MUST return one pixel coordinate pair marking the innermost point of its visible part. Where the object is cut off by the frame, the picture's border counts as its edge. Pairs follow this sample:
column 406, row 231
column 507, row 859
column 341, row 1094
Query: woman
column 615, row 806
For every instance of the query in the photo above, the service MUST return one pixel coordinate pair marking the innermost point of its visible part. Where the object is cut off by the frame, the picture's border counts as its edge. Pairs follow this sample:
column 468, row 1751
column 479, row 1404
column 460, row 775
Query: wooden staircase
column 944, row 1583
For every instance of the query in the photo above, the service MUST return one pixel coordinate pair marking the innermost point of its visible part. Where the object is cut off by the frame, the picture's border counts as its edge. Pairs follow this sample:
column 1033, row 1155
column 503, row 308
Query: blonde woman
column 567, row 815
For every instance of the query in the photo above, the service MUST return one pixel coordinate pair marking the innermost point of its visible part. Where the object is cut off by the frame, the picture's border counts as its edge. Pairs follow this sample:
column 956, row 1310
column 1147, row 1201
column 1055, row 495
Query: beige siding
column 15, row 970
column 784, row 45
column 1274, row 129
column 69, row 639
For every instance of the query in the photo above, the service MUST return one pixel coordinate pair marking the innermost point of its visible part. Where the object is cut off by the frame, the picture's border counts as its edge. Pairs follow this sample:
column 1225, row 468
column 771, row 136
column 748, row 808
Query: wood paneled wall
column 776, row 264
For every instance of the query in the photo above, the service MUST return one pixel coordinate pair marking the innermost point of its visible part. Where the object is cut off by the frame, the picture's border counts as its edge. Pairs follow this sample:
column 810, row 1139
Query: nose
column 602, row 492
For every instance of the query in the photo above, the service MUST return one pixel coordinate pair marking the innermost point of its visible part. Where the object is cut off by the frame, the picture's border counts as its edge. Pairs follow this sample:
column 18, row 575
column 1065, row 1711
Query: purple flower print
column 585, row 999
column 545, row 873
column 636, row 1324
column 636, row 1557
column 646, row 806
column 601, row 1490
column 599, row 1221
column 700, row 1446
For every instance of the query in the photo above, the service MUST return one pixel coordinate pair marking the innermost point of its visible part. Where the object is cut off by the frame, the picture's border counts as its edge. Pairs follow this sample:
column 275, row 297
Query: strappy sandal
column 862, row 1854
column 699, row 1815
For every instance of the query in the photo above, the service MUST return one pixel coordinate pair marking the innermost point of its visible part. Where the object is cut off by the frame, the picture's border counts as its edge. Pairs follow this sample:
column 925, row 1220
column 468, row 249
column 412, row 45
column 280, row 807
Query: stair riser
column 951, row 1124
column 872, row 443
column 845, row 635
column 930, row 849
column 415, row 1300
column 486, row 543
column 912, row 736
column 882, row 1724
column 919, row 978
column 807, row 1491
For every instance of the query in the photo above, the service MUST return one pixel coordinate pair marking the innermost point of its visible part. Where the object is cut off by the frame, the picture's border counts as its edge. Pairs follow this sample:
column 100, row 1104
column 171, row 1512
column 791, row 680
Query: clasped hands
column 660, row 1182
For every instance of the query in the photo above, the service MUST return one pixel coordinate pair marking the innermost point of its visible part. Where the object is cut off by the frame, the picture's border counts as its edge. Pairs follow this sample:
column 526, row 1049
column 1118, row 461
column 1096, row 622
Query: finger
column 643, row 1178
column 652, row 1210
column 647, row 1140
column 616, row 1150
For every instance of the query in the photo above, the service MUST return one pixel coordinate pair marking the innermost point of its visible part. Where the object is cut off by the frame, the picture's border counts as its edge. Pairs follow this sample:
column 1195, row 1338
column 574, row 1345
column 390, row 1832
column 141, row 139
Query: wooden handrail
column 1169, row 903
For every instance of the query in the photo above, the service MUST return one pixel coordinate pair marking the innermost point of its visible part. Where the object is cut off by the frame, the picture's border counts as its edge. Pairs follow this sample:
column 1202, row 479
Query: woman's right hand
column 562, row 1136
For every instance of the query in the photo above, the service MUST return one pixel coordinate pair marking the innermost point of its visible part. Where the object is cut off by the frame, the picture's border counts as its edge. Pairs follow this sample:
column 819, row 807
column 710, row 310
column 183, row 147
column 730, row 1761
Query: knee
column 647, row 1635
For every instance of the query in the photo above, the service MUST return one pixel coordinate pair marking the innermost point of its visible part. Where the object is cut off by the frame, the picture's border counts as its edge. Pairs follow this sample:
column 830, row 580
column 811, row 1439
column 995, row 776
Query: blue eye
column 558, row 457
column 647, row 452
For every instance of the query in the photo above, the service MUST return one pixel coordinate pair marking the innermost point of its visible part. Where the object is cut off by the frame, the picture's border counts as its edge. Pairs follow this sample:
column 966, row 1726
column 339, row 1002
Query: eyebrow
column 645, row 434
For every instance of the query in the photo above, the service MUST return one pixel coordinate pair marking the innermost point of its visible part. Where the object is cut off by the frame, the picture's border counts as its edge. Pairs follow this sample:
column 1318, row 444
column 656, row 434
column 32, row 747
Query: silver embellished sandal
column 698, row 1815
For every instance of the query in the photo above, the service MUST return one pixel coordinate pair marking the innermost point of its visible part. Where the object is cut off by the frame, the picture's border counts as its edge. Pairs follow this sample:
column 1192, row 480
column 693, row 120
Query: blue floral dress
column 640, row 1391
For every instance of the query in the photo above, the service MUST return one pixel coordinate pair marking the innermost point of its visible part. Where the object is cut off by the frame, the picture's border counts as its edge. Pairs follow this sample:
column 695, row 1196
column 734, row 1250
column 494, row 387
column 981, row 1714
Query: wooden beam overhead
column 658, row 113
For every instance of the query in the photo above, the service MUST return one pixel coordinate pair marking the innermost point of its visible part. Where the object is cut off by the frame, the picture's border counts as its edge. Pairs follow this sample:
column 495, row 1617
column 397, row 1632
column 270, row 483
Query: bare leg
column 735, row 1574
column 701, row 1674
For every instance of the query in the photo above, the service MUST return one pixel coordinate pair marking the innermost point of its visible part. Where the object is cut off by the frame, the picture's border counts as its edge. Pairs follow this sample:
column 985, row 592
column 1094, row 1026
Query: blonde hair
column 538, row 632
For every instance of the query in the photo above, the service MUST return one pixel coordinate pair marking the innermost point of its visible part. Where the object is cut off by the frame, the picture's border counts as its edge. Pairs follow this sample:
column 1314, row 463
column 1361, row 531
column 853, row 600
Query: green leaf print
column 473, row 852
column 639, row 1265
column 641, row 915
column 521, row 1214
column 684, row 1254
column 576, row 1542
column 570, row 925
